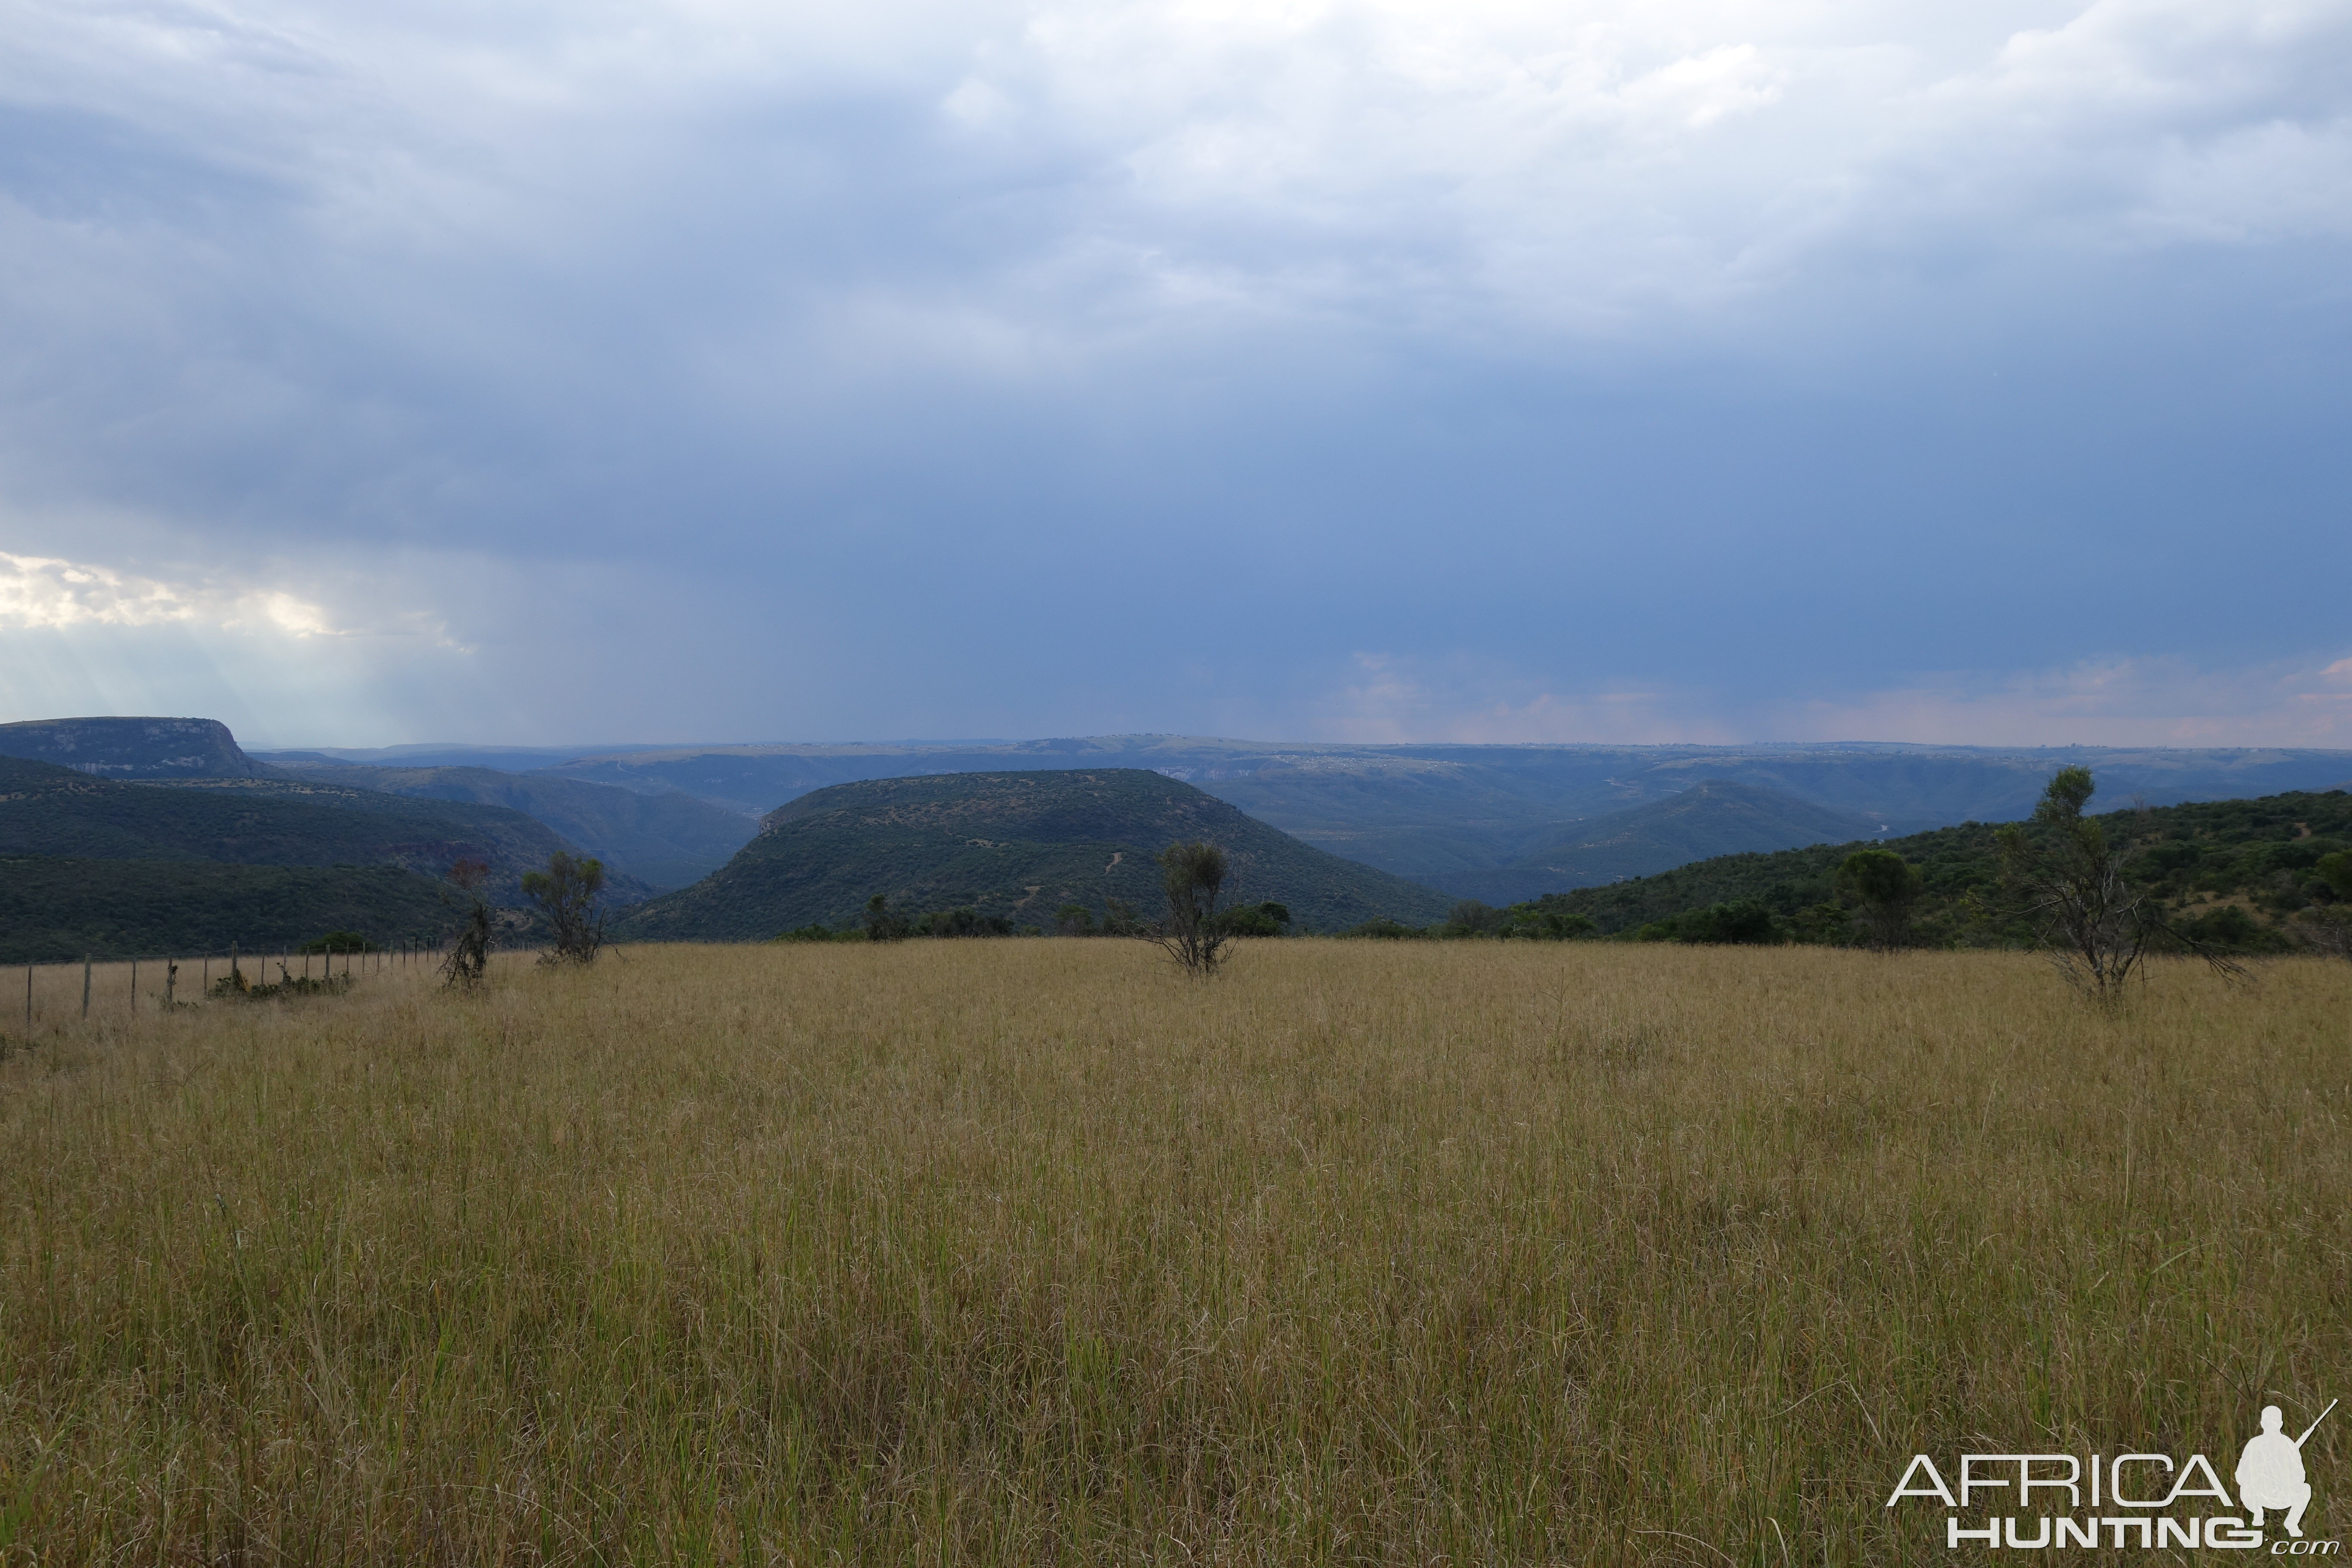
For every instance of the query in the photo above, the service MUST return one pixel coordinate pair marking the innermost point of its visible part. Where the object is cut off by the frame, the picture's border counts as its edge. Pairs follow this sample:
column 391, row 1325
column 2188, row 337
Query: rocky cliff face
column 132, row 748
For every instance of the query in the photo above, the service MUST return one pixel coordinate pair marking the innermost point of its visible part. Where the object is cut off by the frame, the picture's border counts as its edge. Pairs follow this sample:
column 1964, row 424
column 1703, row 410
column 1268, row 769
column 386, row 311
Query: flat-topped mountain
column 132, row 748
column 1015, row 845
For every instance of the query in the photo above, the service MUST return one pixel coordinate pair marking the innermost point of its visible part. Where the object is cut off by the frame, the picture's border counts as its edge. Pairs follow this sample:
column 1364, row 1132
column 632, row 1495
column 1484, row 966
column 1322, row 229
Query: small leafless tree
column 469, row 954
column 1194, row 876
column 566, row 896
column 2069, row 880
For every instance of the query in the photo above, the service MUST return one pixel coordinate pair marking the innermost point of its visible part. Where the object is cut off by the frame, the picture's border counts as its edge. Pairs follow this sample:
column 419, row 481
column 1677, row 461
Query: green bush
column 1532, row 923
column 1382, row 927
column 1472, row 917
column 962, row 922
column 818, row 934
column 1741, row 922
column 2230, row 928
column 2336, row 870
column 1269, row 919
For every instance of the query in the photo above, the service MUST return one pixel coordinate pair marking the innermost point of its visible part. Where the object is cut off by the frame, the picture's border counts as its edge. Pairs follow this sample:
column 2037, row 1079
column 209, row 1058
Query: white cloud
column 1562, row 165
column 277, row 662
column 1594, row 165
column 40, row 592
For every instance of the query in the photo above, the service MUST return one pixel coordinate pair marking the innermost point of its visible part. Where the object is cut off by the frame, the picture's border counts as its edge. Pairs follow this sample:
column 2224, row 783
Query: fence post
column 85, row 986
column 170, row 976
column 28, row 1001
column 134, row 985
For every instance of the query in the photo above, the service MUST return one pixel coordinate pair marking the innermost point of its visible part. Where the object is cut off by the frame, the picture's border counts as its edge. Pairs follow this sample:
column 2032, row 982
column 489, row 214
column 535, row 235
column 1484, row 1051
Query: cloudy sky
column 1318, row 369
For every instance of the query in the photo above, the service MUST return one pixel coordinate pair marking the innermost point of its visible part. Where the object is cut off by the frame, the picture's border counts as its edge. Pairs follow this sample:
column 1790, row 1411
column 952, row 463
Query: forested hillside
column 50, row 811
column 53, row 910
column 113, row 869
column 2229, row 872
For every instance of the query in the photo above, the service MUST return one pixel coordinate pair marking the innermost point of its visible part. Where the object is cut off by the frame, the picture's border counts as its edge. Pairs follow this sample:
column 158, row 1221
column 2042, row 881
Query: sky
column 555, row 374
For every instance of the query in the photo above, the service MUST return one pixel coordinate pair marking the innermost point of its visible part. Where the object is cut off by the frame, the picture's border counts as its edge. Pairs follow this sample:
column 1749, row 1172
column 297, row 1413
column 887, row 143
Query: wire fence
column 50, row 996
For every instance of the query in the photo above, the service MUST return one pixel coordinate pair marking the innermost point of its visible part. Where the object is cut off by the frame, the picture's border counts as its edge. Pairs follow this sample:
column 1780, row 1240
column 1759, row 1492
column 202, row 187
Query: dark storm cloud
column 703, row 371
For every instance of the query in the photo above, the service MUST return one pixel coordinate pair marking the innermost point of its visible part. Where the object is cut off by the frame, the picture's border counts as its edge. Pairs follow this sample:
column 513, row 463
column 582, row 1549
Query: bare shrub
column 2069, row 880
column 469, row 954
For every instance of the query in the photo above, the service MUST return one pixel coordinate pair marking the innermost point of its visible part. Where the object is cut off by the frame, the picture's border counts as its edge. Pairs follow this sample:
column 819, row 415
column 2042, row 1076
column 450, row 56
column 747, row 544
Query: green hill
column 54, row 911
column 1015, row 845
column 1713, row 816
column 2229, row 872
column 666, row 839
column 47, row 810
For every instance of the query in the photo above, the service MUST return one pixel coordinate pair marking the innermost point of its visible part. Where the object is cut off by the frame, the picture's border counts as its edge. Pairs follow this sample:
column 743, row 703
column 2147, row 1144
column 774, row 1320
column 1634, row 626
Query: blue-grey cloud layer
column 1378, row 370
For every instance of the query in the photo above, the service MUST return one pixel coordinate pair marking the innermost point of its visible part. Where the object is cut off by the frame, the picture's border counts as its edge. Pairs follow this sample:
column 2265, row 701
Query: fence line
column 43, row 1004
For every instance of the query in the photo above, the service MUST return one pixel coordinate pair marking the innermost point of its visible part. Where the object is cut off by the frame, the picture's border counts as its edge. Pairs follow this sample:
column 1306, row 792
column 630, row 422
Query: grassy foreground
column 1033, row 1252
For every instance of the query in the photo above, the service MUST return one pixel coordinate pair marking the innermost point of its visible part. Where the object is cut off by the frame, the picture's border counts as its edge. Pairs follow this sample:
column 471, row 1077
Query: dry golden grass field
column 1033, row 1252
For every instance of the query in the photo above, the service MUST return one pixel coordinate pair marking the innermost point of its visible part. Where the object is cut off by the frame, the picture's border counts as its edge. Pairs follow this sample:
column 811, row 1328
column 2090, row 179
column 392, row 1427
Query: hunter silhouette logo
column 2145, row 1501
column 2269, row 1473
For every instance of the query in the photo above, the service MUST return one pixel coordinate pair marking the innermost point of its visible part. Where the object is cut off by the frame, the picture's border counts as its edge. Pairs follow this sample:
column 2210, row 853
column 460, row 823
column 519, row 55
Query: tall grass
column 1036, row 1252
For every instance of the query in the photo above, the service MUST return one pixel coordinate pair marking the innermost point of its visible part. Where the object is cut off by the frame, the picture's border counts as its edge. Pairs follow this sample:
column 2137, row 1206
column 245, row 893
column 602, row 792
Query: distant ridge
column 1015, row 845
column 667, row 839
column 132, row 748
column 1432, row 812
column 1713, row 816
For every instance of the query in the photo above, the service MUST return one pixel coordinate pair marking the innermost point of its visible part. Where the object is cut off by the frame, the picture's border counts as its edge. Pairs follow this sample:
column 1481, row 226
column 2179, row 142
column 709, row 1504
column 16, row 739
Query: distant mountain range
column 1439, row 814
column 1014, row 845
column 1497, row 822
